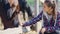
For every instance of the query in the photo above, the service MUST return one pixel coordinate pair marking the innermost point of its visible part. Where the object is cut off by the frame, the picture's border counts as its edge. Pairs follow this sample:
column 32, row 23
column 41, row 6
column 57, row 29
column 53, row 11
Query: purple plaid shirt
column 48, row 25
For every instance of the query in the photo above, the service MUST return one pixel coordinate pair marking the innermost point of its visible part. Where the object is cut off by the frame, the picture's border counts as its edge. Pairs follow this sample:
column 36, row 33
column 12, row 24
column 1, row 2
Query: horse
column 5, row 6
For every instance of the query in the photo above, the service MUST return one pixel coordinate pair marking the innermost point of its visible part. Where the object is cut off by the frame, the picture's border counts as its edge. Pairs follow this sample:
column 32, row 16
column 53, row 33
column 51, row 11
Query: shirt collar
column 47, row 16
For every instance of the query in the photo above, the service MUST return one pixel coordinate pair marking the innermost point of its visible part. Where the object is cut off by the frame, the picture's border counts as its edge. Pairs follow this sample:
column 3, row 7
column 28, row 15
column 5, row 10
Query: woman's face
column 47, row 9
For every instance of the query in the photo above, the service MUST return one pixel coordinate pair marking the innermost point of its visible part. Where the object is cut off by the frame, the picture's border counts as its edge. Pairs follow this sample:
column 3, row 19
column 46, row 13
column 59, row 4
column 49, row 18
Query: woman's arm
column 34, row 20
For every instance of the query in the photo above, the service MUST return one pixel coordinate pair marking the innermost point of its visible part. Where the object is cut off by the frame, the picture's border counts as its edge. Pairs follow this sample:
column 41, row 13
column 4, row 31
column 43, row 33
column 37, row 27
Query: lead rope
column 42, row 21
column 55, row 20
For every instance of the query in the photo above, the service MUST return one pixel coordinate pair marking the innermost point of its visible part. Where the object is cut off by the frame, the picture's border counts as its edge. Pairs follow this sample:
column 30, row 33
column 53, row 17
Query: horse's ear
column 10, row 1
column 18, row 7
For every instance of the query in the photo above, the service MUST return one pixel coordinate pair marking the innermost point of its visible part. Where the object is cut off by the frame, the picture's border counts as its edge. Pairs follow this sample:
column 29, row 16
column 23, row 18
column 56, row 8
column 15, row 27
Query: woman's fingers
column 43, row 30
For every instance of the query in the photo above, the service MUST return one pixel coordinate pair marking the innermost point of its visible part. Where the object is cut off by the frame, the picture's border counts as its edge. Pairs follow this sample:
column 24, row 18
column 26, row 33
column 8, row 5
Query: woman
column 50, row 20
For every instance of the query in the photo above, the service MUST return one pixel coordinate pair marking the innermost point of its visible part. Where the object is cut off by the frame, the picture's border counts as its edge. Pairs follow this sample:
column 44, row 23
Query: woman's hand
column 43, row 30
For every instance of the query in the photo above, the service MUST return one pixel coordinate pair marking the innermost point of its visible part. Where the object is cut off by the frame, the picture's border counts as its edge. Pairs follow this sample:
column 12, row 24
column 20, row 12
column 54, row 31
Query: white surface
column 11, row 31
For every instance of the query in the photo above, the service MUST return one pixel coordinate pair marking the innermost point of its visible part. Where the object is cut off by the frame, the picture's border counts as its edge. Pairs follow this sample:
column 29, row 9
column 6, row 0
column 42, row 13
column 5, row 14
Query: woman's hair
column 52, row 5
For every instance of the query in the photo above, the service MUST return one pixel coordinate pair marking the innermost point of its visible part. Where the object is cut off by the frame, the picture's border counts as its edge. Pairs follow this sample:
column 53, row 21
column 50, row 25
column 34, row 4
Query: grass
column 31, row 2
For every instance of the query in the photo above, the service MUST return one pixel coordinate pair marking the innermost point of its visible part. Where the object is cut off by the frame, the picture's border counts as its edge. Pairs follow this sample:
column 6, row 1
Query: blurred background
column 36, row 7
